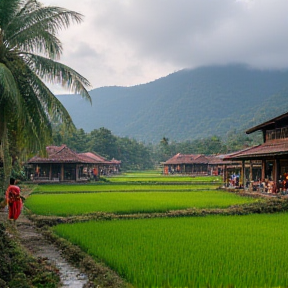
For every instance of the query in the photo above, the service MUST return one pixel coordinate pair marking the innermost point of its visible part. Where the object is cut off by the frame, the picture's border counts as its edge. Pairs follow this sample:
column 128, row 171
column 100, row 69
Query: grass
column 68, row 204
column 212, row 251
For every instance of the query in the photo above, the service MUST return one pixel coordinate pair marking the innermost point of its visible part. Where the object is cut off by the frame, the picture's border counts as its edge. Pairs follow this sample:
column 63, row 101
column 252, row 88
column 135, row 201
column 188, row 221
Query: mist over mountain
column 185, row 105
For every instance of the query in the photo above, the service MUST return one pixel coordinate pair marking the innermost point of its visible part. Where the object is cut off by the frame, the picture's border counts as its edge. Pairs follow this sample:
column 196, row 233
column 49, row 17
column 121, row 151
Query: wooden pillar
column 276, row 175
column 242, row 178
column 225, row 175
column 77, row 172
column 62, row 172
column 251, row 176
column 50, row 172
column 263, row 170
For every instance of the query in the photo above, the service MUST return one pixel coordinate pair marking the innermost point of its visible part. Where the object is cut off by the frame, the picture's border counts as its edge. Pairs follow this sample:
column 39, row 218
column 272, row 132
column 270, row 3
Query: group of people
column 234, row 180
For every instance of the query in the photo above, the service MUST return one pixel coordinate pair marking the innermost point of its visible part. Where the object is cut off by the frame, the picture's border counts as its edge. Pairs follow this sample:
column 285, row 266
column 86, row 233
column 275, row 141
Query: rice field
column 115, row 187
column 69, row 204
column 212, row 251
column 130, row 177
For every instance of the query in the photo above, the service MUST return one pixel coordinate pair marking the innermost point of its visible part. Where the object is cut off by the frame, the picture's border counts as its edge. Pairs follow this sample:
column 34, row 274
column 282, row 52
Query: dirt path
column 38, row 246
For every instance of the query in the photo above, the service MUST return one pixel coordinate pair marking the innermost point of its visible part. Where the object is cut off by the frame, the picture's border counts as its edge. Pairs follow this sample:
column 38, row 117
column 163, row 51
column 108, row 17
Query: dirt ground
column 38, row 246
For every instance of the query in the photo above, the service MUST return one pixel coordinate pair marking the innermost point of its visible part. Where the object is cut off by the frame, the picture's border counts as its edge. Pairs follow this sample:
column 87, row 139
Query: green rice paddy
column 158, row 178
column 68, row 204
column 115, row 187
column 212, row 251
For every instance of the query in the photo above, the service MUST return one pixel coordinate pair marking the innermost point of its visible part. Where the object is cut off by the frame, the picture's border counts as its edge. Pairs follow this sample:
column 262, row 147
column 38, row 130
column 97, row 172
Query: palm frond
column 8, row 9
column 53, row 107
column 8, row 88
column 55, row 72
column 39, row 42
column 33, row 114
column 37, row 29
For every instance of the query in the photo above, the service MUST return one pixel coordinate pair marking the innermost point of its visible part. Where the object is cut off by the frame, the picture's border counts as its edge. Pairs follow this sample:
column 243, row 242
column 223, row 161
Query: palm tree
column 29, row 54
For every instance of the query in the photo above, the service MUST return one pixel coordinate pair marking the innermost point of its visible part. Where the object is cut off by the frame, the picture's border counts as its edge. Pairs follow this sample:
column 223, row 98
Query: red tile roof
column 94, row 157
column 57, row 154
column 63, row 154
column 193, row 159
column 114, row 161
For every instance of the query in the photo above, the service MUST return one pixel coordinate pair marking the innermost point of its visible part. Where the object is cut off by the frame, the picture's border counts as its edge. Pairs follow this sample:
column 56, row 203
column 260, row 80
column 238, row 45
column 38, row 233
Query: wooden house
column 272, row 154
column 63, row 164
column 193, row 164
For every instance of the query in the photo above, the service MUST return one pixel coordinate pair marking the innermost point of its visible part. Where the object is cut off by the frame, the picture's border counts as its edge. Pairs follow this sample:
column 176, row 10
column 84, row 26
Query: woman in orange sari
column 13, row 200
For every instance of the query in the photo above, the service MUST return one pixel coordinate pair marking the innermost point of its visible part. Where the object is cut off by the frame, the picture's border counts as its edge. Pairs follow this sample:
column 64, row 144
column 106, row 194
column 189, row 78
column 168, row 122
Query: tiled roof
column 94, row 157
column 193, row 159
column 270, row 148
column 114, row 161
column 57, row 154
column 63, row 154
column 182, row 159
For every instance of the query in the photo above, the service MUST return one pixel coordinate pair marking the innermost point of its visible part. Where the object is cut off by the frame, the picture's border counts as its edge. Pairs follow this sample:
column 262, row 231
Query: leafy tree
column 238, row 141
column 134, row 155
column 164, row 150
column 103, row 142
column 29, row 50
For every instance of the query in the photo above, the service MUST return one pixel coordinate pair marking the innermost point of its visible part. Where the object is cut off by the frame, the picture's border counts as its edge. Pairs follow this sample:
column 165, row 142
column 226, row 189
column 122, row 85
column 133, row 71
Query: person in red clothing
column 13, row 200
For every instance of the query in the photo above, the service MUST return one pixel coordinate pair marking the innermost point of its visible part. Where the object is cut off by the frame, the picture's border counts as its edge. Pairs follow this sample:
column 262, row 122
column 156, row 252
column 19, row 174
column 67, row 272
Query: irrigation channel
column 33, row 241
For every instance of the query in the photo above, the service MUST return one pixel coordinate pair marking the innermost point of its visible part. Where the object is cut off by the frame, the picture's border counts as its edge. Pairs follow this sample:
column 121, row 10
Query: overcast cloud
column 129, row 42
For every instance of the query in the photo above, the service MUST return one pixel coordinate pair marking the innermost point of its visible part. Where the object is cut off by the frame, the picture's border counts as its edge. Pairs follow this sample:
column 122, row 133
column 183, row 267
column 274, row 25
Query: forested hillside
column 186, row 105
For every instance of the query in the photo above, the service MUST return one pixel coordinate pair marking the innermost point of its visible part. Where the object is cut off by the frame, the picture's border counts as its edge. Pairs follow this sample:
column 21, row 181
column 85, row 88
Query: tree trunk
column 5, row 161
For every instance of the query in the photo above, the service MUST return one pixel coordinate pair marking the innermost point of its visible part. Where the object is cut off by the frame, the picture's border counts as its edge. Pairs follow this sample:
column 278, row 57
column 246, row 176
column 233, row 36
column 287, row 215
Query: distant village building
column 194, row 164
column 63, row 164
column 272, row 156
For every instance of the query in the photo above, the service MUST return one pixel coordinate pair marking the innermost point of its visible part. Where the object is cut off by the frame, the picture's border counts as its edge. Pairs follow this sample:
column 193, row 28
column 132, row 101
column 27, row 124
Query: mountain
column 185, row 105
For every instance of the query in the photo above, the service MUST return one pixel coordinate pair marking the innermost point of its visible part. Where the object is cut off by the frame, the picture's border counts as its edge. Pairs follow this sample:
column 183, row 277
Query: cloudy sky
column 129, row 42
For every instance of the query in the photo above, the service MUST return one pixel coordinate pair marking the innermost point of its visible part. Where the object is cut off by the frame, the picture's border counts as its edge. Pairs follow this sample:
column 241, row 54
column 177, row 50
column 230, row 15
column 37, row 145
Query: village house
column 194, row 164
column 272, row 156
column 63, row 164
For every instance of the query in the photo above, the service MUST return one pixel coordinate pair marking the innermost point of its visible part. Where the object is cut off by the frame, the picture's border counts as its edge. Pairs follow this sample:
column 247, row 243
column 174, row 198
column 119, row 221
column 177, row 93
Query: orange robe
column 14, row 201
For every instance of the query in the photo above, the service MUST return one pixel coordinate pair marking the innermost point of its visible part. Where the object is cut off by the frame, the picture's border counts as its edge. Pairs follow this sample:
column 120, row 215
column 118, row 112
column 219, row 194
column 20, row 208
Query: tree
column 29, row 54
column 103, row 142
column 164, row 150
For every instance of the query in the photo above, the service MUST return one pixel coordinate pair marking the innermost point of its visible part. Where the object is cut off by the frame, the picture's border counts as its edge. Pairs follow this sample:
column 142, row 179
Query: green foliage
column 208, row 146
column 103, row 142
column 133, row 155
column 212, row 251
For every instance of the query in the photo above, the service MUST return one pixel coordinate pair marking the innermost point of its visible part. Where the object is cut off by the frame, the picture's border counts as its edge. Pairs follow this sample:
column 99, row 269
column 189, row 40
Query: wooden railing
column 279, row 133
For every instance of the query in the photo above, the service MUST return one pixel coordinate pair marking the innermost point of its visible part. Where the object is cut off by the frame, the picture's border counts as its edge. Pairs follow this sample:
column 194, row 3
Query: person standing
column 13, row 200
